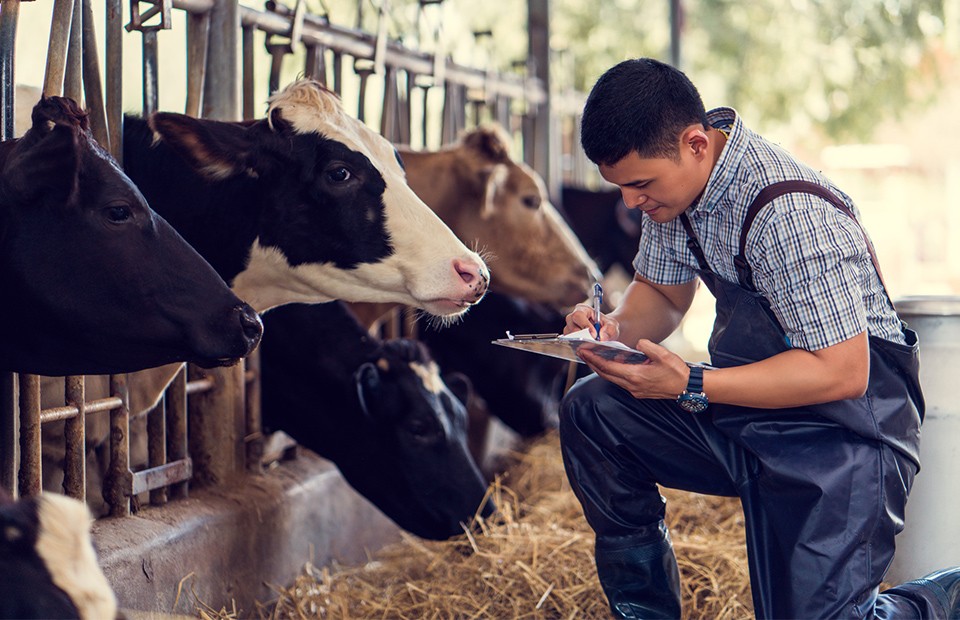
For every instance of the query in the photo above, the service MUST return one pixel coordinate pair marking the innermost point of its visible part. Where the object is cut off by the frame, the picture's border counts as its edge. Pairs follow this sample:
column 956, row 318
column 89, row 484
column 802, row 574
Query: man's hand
column 663, row 375
column 582, row 317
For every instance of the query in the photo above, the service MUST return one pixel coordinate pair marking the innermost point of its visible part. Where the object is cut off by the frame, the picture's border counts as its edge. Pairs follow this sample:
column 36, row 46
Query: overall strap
column 768, row 194
column 693, row 244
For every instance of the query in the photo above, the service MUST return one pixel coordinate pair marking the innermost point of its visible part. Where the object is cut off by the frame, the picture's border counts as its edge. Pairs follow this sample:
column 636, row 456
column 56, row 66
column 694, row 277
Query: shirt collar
column 725, row 169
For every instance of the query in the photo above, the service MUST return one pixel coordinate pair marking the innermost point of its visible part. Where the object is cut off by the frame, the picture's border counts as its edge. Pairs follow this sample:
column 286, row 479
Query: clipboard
column 566, row 347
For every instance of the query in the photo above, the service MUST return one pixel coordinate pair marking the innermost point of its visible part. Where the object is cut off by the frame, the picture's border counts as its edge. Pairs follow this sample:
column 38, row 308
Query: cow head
column 93, row 281
column 414, row 463
column 502, row 206
column 339, row 221
column 48, row 568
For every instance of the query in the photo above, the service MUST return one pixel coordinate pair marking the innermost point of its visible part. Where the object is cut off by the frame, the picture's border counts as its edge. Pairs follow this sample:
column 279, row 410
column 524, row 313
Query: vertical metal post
column 177, row 427
column 114, row 96
column 198, row 37
column 119, row 482
column 9, row 16
column 217, row 425
column 57, row 47
column 676, row 25
column 538, row 31
column 151, row 84
column 73, row 77
column 248, row 74
column 92, row 86
column 9, row 431
column 221, row 93
column 157, row 446
column 74, row 462
column 254, row 419
column 30, row 474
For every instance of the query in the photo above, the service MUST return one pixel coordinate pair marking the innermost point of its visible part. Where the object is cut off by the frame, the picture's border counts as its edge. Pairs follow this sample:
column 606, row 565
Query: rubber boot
column 639, row 574
column 945, row 584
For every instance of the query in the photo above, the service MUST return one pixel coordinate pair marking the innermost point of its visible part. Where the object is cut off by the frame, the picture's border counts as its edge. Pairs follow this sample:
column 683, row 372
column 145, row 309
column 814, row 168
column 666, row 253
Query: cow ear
column 367, row 379
column 45, row 165
column 490, row 142
column 495, row 179
column 216, row 150
column 460, row 385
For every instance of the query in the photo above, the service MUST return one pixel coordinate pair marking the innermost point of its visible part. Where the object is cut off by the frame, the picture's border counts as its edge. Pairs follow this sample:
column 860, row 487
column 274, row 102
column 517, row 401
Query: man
column 813, row 413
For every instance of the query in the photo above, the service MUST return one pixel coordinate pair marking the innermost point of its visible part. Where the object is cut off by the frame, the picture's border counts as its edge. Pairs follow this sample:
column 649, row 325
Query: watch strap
column 695, row 382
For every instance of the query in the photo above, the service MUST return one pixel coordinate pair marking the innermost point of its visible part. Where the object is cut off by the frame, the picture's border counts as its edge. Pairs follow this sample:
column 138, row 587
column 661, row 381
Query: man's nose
column 634, row 200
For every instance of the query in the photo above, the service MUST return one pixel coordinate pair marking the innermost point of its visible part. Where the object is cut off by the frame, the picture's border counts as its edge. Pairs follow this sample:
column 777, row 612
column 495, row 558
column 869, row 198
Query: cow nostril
column 468, row 271
column 250, row 323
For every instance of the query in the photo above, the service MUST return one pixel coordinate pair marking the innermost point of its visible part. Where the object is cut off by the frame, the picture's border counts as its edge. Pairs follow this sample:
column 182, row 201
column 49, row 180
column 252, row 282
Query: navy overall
column 823, row 487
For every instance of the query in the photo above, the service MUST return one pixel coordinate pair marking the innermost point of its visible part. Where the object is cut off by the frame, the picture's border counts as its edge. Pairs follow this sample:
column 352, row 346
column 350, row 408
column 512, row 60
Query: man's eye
column 338, row 175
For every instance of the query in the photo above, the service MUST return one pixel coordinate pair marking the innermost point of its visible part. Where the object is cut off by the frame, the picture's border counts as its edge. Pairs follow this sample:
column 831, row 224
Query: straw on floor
column 533, row 559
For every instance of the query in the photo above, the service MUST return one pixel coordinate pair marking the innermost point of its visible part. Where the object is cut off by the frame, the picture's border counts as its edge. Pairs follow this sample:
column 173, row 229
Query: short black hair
column 639, row 105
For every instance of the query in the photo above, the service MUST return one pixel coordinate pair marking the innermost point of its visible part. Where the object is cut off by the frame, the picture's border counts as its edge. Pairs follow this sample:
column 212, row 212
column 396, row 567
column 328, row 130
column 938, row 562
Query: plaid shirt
column 809, row 260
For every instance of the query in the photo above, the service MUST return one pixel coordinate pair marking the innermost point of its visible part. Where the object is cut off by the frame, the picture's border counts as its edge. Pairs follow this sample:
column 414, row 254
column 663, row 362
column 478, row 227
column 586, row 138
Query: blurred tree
column 836, row 67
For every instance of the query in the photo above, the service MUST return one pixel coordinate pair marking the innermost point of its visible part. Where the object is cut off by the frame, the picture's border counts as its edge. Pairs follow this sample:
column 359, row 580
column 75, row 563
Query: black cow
column 521, row 389
column 378, row 409
column 92, row 280
column 608, row 230
column 306, row 205
column 48, row 568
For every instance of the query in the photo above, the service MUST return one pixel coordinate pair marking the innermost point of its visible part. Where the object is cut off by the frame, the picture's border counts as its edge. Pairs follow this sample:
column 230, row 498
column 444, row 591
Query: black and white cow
column 379, row 410
column 48, row 567
column 307, row 205
column 92, row 280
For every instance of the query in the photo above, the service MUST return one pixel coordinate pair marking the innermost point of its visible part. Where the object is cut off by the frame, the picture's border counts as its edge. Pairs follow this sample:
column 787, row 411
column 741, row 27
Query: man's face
column 662, row 188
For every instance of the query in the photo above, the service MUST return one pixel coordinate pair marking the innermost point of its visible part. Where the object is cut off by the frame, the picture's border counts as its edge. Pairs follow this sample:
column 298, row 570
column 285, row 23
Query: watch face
column 693, row 403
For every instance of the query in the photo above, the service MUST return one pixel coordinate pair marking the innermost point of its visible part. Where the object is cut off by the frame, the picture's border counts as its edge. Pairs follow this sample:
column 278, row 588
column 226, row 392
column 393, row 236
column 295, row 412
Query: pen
column 597, row 300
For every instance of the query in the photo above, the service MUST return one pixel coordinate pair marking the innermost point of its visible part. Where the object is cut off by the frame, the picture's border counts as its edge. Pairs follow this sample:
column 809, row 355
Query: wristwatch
column 693, row 399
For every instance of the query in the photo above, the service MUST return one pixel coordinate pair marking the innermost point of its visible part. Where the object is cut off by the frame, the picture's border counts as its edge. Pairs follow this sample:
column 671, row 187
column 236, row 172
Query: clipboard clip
column 531, row 336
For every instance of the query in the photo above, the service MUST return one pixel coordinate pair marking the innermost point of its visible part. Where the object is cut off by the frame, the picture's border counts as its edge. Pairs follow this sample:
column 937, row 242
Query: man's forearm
column 647, row 312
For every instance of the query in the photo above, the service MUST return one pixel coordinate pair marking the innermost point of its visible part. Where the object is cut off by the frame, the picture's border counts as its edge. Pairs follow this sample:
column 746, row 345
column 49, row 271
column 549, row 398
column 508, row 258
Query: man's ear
column 695, row 138
column 216, row 150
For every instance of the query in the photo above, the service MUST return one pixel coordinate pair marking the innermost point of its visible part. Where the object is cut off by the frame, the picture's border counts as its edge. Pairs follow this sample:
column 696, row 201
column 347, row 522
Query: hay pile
column 533, row 559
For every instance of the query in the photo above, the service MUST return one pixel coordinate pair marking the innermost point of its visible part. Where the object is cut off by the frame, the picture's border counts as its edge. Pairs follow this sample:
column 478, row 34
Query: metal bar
column 198, row 37
column 390, row 113
column 118, row 482
column 177, row 429
column 363, row 45
column 151, row 83
column 9, row 429
column 57, row 47
column 155, row 479
column 30, row 474
column 194, row 7
column 254, row 419
column 156, row 450
column 67, row 411
column 114, row 94
column 221, row 96
column 92, row 86
column 338, row 73
column 248, row 73
column 9, row 17
column 200, row 385
column 74, row 462
column 73, row 77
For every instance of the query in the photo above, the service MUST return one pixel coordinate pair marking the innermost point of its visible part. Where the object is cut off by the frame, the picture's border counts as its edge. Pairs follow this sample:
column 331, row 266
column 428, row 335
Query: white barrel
column 931, row 538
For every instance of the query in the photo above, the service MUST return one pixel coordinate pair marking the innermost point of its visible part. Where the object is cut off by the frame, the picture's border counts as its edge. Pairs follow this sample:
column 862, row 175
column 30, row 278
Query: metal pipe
column 74, row 462
column 57, row 47
column 198, row 37
column 151, row 84
column 363, row 45
column 177, row 429
column 73, row 77
column 92, row 86
column 114, row 95
column 248, row 73
column 157, row 448
column 118, row 482
column 30, row 474
column 254, row 418
column 9, row 17
column 9, row 431
column 221, row 96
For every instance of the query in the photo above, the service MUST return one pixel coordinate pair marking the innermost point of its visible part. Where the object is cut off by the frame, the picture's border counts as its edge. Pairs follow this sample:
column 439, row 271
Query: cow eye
column 338, row 175
column 531, row 202
column 118, row 213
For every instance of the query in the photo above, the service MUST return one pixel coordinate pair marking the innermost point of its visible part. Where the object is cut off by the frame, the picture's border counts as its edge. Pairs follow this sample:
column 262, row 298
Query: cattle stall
column 209, row 476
